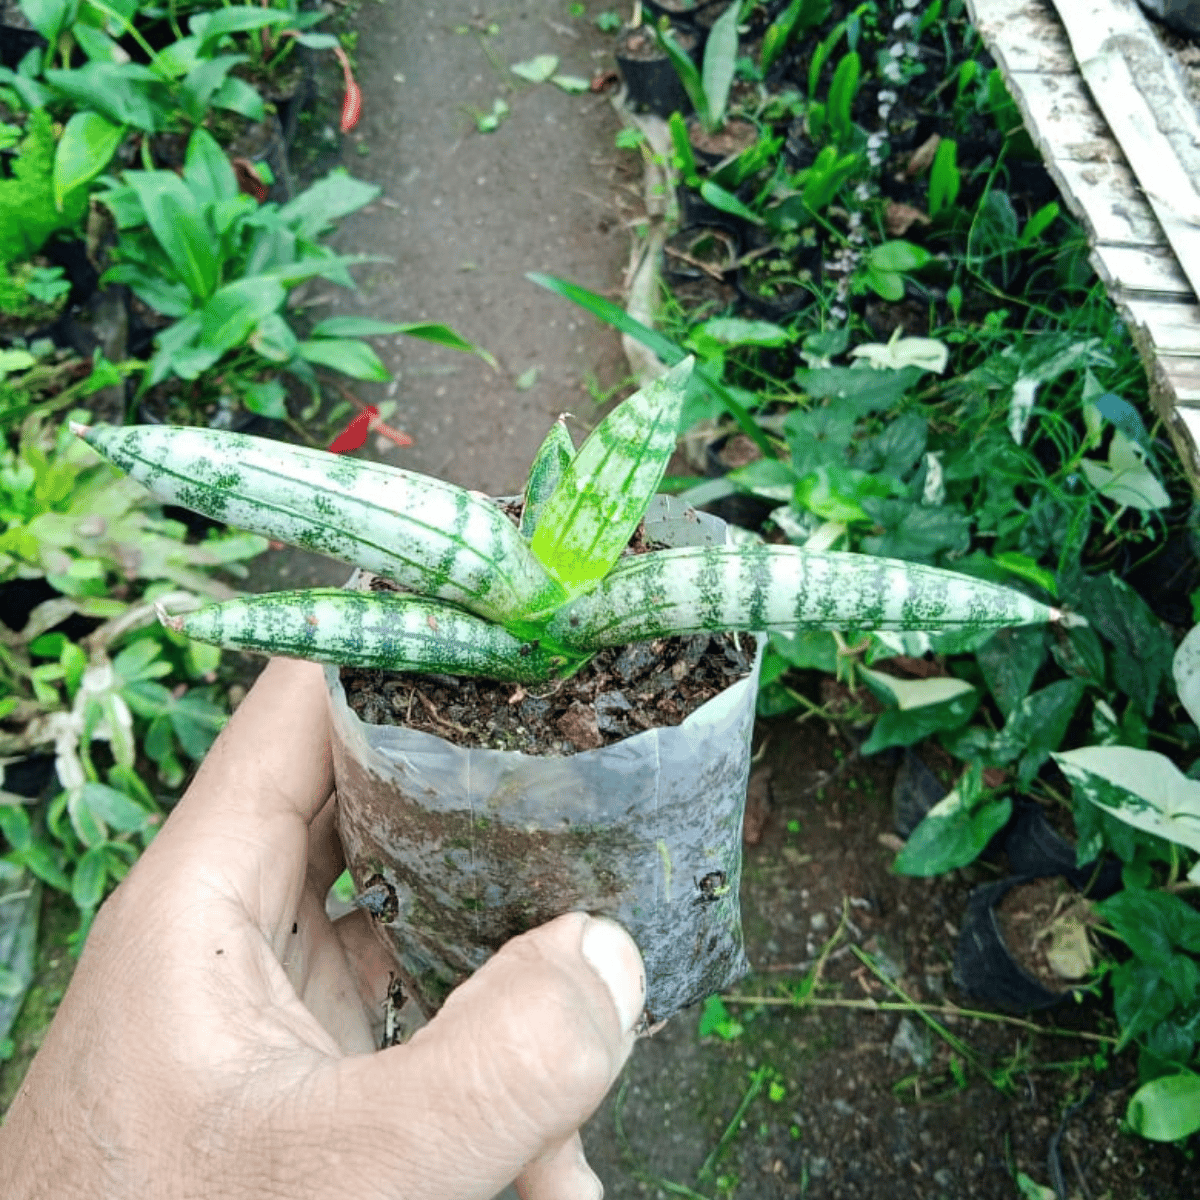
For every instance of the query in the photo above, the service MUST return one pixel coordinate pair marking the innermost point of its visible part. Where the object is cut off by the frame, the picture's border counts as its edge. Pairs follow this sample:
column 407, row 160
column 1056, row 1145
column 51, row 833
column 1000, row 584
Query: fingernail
column 611, row 953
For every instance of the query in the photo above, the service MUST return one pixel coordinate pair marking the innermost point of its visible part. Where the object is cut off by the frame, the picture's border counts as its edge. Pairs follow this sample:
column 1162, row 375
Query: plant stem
column 942, row 1010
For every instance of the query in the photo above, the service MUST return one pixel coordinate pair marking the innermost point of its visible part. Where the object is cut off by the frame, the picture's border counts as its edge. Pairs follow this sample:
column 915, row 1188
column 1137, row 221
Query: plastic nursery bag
column 470, row 847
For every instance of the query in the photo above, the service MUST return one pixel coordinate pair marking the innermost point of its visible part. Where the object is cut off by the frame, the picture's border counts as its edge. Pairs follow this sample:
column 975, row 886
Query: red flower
column 355, row 434
column 352, row 104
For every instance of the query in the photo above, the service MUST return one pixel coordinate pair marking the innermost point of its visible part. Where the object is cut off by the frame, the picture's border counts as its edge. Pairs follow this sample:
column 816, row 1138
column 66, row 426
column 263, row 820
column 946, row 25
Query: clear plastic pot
column 462, row 849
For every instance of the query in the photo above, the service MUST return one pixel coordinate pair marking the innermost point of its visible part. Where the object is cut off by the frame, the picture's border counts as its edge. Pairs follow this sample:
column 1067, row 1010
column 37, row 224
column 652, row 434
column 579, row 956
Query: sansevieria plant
column 525, row 599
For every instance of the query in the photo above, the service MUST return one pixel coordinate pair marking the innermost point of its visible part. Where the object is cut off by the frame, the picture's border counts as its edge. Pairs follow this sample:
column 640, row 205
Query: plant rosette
column 528, row 602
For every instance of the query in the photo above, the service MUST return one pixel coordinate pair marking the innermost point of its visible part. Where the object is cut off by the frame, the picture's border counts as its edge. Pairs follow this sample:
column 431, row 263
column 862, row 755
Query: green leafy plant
column 708, row 88
column 120, row 703
column 795, row 19
column 944, row 178
column 28, row 212
column 195, row 249
column 480, row 598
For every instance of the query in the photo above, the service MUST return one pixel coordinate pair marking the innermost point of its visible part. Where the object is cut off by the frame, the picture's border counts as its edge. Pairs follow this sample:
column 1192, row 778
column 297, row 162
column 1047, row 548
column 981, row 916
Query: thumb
column 496, row 1085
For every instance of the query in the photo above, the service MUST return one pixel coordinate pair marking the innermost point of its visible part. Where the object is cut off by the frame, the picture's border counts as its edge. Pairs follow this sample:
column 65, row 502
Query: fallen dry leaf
column 900, row 218
column 921, row 158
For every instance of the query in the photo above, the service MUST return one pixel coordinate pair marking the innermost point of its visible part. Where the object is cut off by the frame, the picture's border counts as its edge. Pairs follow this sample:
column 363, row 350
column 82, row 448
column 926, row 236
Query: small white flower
column 896, row 49
column 905, row 18
column 887, row 96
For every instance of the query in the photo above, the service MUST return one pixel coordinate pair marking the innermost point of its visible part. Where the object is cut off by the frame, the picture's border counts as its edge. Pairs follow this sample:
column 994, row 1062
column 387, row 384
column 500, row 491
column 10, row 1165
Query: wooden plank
column 1062, row 119
column 1023, row 35
column 1149, row 113
column 1151, row 272
column 1106, row 198
column 1183, row 375
column 1173, row 329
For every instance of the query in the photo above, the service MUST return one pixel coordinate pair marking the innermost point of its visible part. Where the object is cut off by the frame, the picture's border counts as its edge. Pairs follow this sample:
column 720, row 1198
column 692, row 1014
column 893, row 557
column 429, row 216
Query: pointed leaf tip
column 78, row 428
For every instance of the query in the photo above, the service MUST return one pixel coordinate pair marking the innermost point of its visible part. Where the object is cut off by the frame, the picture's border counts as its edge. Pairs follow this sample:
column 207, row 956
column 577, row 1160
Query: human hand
column 216, row 1040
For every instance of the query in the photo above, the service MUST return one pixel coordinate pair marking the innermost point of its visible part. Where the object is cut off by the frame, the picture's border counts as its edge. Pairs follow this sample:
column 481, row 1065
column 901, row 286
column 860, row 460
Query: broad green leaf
column 907, row 694
column 238, row 18
column 837, row 493
column 202, row 82
column 351, row 357
column 318, row 206
column 266, row 399
column 956, row 830
column 736, row 331
column 894, row 727
column 206, row 170
column 1186, row 669
column 1126, row 480
column 274, row 339
column 602, row 496
column 50, row 17
column 1140, row 787
column 720, row 58
column 87, row 144
column 537, row 69
column 91, row 874
column 170, row 299
column 858, row 390
column 1142, row 650
column 1166, row 1109
column 179, row 227
column 897, row 255
column 917, row 532
column 1009, row 660
column 727, row 202
column 1025, row 567
column 126, row 93
column 233, row 312
column 97, row 45
column 318, row 41
column 114, row 808
column 240, row 97
column 1037, row 726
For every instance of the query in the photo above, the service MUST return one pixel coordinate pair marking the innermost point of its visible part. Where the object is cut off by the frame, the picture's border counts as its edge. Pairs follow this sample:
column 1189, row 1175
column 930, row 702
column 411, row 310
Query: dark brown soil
column 732, row 138
column 620, row 692
column 1025, row 915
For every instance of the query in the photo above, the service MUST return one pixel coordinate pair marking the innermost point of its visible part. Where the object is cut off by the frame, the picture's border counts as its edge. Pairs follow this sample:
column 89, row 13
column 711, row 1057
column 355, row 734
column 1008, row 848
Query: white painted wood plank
column 1061, row 117
column 1183, row 374
column 1153, row 272
column 1148, row 112
column 1172, row 328
column 1023, row 35
column 1107, row 199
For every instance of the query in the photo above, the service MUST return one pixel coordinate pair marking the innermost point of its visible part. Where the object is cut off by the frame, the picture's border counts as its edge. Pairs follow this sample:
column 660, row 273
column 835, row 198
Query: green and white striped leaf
column 388, row 630
column 1140, row 787
column 783, row 589
column 549, row 465
column 603, row 493
column 430, row 537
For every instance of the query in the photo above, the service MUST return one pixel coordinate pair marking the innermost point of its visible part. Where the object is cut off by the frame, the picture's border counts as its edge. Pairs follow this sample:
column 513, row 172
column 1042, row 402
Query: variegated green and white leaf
column 594, row 510
column 781, row 589
column 549, row 466
column 388, row 630
column 1143, row 788
column 1186, row 669
column 431, row 537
